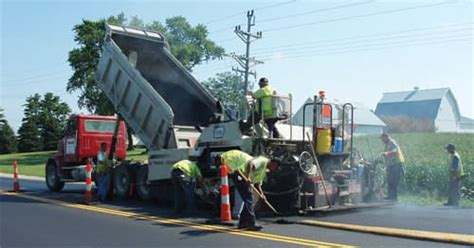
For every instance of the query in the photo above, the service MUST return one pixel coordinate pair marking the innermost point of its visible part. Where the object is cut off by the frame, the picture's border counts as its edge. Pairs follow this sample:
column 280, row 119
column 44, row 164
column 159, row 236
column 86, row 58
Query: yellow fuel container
column 323, row 140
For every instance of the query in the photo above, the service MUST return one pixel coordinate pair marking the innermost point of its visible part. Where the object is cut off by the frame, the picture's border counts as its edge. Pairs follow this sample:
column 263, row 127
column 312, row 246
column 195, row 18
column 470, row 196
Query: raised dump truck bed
column 149, row 88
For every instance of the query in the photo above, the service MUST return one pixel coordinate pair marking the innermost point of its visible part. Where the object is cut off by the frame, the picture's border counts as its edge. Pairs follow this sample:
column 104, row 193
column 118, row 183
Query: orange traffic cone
column 16, row 182
column 225, row 202
column 88, row 193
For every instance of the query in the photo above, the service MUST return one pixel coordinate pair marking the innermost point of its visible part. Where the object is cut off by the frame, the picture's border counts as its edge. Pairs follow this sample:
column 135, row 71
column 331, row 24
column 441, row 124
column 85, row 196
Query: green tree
column 53, row 117
column 227, row 87
column 90, row 36
column 190, row 45
column 29, row 136
column 42, row 125
column 7, row 136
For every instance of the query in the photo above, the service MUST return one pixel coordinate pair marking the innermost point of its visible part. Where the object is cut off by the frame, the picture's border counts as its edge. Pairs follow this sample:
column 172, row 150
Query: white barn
column 437, row 105
column 466, row 125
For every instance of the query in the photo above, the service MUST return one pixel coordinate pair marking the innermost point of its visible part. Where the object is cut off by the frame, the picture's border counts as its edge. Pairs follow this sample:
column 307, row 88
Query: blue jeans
column 238, row 204
column 183, row 193
column 104, row 186
column 394, row 174
column 247, row 216
column 454, row 192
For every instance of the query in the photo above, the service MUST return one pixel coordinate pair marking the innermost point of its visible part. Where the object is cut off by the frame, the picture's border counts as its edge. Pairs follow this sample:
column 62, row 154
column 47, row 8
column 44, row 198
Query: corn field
column 426, row 161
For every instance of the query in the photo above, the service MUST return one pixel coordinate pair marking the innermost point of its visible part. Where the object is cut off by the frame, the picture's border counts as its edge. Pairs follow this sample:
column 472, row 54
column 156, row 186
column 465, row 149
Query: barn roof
column 414, row 95
column 416, row 103
column 466, row 120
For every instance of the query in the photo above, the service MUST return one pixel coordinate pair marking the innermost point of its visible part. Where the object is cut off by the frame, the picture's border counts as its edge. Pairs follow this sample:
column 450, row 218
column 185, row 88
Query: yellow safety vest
column 260, row 171
column 397, row 158
column 235, row 160
column 189, row 168
column 264, row 95
column 102, row 162
column 460, row 171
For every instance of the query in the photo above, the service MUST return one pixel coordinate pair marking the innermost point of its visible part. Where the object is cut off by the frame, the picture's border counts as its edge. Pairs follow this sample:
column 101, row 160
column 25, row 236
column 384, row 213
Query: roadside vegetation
column 33, row 163
column 426, row 166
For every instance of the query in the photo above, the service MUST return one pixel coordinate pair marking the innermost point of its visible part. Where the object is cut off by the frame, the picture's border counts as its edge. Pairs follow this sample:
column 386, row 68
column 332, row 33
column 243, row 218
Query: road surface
column 37, row 218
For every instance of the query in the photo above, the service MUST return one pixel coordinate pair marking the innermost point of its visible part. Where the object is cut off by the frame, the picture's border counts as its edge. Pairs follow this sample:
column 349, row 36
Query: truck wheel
column 143, row 187
column 122, row 182
column 52, row 178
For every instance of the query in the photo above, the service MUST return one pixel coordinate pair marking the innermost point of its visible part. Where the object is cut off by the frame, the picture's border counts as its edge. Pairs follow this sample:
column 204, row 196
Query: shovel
column 259, row 194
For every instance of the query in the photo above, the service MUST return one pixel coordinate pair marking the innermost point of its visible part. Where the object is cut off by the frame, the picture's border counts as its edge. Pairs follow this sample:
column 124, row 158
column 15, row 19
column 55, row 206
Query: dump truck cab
column 83, row 136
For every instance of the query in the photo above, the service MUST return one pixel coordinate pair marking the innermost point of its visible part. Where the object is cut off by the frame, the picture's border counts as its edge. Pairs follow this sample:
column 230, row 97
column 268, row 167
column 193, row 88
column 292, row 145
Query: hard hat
column 384, row 135
column 450, row 146
column 263, row 80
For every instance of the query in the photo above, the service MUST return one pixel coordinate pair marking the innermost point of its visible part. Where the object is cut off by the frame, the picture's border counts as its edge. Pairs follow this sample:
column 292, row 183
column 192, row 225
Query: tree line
column 41, row 128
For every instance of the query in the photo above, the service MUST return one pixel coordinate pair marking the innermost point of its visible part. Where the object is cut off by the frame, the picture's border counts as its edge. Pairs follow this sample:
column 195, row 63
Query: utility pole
column 246, row 61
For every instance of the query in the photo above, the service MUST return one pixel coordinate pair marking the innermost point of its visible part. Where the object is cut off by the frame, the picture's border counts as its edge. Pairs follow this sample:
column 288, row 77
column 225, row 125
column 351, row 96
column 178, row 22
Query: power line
column 243, row 12
column 365, row 36
column 372, row 48
column 34, row 69
column 316, row 11
column 19, row 79
column 298, row 14
column 358, row 16
column 346, row 18
column 225, row 40
column 219, row 63
column 378, row 40
column 34, row 79
column 380, row 44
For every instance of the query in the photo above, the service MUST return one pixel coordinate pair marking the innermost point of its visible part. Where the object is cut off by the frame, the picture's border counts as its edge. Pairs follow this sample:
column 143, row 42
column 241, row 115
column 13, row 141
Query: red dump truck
column 83, row 136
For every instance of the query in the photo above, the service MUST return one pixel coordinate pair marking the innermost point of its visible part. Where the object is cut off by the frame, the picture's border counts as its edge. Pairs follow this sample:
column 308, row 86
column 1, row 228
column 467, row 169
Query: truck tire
column 53, row 181
column 143, row 187
column 122, row 181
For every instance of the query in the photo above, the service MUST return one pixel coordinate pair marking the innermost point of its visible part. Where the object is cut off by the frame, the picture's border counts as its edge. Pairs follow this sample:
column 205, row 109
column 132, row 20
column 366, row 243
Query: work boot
column 254, row 228
column 242, row 226
column 447, row 204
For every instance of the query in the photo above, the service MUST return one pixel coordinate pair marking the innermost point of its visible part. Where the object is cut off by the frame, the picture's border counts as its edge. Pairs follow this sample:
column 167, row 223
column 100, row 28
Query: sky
column 353, row 50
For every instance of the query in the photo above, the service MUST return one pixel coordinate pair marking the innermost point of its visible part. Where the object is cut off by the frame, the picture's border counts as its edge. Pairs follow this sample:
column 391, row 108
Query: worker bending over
column 184, row 176
column 242, row 169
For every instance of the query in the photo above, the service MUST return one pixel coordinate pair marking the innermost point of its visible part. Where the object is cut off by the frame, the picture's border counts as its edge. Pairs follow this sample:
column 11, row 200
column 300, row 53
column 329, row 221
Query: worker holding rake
column 245, row 171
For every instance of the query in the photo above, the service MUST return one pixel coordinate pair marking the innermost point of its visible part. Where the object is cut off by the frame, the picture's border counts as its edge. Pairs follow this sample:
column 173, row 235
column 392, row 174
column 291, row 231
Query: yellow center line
column 206, row 227
column 397, row 232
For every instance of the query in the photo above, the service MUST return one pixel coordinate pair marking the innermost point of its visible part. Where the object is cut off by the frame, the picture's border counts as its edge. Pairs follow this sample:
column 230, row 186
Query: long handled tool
column 319, row 170
column 259, row 193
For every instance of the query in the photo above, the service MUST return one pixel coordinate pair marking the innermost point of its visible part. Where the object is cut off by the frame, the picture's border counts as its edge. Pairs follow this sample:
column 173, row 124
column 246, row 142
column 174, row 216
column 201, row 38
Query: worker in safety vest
column 242, row 169
column 264, row 108
column 258, row 170
column 103, row 174
column 184, row 176
column 257, row 176
column 394, row 158
column 456, row 173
